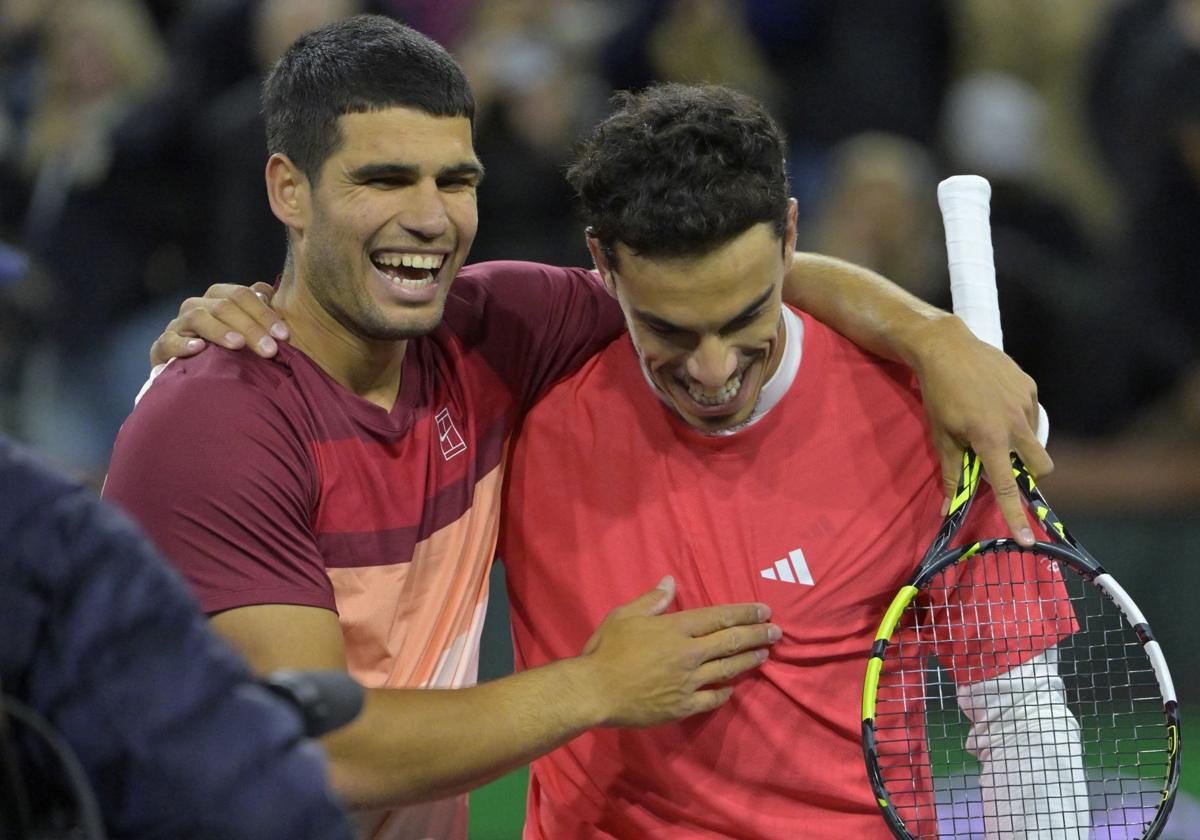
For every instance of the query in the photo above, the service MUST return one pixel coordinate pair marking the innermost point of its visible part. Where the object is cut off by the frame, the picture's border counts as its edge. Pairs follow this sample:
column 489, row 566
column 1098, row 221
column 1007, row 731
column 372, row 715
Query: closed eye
column 458, row 183
column 661, row 328
column 740, row 322
column 390, row 182
column 672, row 334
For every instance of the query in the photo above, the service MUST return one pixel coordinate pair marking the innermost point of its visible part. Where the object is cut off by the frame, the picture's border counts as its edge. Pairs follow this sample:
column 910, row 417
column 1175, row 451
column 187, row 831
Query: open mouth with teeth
column 408, row 270
column 722, row 397
column 710, row 409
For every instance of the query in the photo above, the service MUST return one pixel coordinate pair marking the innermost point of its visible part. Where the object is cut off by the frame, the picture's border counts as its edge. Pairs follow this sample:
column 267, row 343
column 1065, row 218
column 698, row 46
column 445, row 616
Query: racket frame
column 1067, row 550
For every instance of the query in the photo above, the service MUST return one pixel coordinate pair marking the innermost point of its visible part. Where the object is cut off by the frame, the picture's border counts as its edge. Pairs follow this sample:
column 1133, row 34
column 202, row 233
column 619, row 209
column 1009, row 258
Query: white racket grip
column 965, row 201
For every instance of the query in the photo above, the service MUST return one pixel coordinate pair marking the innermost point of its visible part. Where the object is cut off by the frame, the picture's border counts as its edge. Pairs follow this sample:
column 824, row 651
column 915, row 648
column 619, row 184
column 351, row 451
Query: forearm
column 640, row 668
column 866, row 307
column 413, row 745
column 974, row 394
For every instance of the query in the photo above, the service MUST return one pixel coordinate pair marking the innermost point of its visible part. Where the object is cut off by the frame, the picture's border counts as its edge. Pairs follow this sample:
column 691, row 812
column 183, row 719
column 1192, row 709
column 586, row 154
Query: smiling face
column 708, row 329
column 385, row 229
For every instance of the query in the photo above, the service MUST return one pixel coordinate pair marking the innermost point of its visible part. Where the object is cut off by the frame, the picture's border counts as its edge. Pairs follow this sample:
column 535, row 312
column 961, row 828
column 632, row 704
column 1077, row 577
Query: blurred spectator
column 21, row 26
column 688, row 41
column 995, row 124
column 240, row 240
column 1060, row 308
column 878, row 207
column 850, row 67
column 98, row 63
column 24, row 301
column 1144, row 106
column 116, row 135
column 829, row 70
column 445, row 21
column 530, row 64
column 95, row 217
column 1045, row 46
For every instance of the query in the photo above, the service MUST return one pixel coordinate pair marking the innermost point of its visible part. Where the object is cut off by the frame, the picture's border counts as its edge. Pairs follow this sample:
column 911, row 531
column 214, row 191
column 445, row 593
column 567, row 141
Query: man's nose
column 712, row 363
column 425, row 211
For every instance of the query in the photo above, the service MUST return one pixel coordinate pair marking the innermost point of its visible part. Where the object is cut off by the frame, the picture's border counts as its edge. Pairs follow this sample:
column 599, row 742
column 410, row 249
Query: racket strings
column 1016, row 701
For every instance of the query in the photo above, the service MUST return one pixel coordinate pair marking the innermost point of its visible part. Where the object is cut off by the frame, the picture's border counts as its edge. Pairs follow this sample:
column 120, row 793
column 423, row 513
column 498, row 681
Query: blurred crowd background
column 131, row 157
column 132, row 153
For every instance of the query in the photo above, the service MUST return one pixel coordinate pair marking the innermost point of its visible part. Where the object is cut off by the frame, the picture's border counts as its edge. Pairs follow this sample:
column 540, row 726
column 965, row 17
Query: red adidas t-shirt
column 822, row 510
column 266, row 482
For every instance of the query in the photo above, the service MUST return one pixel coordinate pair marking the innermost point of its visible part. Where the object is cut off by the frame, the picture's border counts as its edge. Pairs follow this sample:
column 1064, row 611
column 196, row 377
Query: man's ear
column 601, row 261
column 288, row 191
column 790, row 233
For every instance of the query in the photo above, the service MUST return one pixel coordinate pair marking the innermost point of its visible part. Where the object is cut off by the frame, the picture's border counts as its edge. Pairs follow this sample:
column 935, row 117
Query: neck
column 366, row 367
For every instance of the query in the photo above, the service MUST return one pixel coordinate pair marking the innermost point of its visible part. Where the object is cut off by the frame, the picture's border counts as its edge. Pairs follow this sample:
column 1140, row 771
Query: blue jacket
column 104, row 640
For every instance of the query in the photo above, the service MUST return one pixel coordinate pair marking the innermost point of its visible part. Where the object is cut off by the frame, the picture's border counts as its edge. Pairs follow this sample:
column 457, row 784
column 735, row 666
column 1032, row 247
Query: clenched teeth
column 410, row 283
column 429, row 262
column 697, row 392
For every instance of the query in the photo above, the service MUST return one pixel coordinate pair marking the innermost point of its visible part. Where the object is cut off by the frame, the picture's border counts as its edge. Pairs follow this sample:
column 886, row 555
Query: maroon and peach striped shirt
column 266, row 482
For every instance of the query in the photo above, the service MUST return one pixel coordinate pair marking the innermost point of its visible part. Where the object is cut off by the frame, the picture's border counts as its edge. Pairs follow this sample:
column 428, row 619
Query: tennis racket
column 1017, row 692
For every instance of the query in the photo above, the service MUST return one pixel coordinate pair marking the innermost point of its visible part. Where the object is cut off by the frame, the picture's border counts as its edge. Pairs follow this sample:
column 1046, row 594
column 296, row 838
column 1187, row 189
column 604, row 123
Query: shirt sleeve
column 217, row 474
column 1000, row 613
column 535, row 324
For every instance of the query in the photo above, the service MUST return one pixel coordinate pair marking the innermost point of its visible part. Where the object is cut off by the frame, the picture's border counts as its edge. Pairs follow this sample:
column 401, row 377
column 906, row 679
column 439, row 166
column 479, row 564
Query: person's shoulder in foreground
column 102, row 638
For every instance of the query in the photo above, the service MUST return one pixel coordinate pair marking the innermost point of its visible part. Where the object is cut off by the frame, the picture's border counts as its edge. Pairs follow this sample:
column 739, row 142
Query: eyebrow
column 666, row 326
column 370, row 171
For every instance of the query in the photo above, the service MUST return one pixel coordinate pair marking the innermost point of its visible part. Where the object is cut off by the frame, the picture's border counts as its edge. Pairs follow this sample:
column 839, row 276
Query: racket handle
column 965, row 202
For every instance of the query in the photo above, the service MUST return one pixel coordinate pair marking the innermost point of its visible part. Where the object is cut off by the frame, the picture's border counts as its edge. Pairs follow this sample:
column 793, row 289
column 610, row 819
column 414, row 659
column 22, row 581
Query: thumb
column 265, row 291
column 657, row 599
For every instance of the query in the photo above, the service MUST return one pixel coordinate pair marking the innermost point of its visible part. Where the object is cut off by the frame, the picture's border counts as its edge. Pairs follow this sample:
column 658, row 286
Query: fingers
column 655, row 668
column 174, row 344
column 709, row 699
column 265, row 292
column 736, row 640
column 228, row 315
column 234, row 317
column 1035, row 457
column 950, row 458
column 724, row 670
column 705, row 620
column 728, row 653
column 997, row 465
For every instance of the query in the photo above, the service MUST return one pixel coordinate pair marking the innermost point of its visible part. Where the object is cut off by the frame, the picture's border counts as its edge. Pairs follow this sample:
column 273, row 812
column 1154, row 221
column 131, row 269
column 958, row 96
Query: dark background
column 131, row 159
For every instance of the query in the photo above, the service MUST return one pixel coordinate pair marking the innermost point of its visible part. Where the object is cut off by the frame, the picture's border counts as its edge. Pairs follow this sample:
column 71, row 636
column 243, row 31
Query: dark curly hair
column 680, row 170
column 361, row 64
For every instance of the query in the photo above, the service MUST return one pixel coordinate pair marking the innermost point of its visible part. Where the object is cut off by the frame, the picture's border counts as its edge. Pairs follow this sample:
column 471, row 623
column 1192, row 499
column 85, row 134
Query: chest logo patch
column 448, row 436
column 790, row 569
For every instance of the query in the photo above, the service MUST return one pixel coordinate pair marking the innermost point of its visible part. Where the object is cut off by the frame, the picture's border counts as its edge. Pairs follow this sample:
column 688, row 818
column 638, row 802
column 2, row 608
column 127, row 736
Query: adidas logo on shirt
column 791, row 569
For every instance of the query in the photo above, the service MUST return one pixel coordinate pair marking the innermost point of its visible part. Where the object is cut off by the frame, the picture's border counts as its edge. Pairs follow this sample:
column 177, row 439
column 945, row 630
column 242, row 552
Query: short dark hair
column 354, row 66
column 679, row 170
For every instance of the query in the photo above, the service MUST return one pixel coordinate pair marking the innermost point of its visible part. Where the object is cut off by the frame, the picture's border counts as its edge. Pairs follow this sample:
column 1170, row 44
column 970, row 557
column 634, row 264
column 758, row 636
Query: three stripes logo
column 790, row 569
